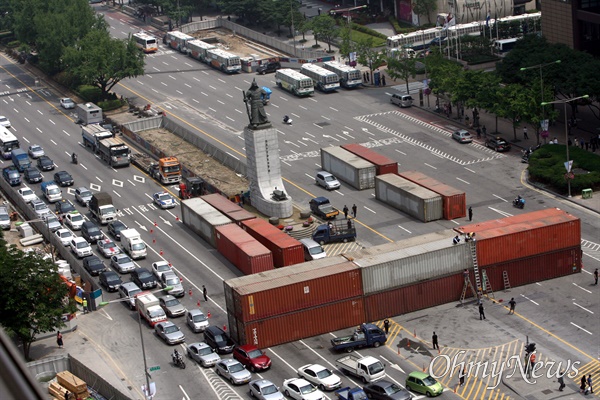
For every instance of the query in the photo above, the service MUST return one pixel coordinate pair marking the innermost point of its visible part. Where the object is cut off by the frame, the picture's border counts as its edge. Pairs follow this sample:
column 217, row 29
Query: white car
column 65, row 236
column 159, row 268
column 107, row 248
column 164, row 200
column 74, row 220
column 67, row 103
column 122, row 263
column 4, row 122
column 203, row 354
column 234, row 371
column 27, row 194
column 300, row 389
column 36, row 151
column 80, row 247
column 320, row 376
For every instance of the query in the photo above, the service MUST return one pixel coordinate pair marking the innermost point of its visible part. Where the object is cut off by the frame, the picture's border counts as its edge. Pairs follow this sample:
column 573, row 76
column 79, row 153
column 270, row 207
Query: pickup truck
column 51, row 191
column 335, row 231
column 351, row 394
column 369, row 335
column 322, row 208
column 368, row 369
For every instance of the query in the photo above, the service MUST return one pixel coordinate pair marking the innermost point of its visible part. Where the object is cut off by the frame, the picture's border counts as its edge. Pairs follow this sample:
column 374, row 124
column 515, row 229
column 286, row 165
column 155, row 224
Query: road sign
column 155, row 368
column 568, row 165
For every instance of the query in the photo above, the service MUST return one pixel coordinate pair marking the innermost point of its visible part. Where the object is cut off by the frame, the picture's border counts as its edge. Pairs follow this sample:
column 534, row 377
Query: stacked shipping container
column 228, row 208
column 286, row 250
column 409, row 197
column 383, row 165
column 202, row 218
column 348, row 167
column 247, row 254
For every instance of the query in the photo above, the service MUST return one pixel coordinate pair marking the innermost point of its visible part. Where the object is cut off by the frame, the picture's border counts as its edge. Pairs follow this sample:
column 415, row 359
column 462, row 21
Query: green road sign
column 155, row 368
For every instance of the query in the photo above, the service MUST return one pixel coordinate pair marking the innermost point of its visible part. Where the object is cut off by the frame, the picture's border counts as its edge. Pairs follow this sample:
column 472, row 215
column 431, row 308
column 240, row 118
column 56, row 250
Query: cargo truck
column 149, row 308
column 368, row 369
column 51, row 192
column 335, row 231
column 102, row 208
column 369, row 335
column 167, row 170
column 20, row 159
column 114, row 151
column 93, row 134
column 133, row 244
column 322, row 208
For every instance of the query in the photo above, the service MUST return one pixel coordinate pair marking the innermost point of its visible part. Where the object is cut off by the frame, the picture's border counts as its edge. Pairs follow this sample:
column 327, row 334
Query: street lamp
column 540, row 66
column 568, row 163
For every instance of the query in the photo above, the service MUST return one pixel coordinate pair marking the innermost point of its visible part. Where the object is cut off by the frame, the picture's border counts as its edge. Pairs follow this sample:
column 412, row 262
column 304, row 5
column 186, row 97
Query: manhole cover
column 322, row 124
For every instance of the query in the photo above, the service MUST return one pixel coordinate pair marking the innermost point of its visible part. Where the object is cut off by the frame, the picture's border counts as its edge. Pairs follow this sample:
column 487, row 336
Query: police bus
column 294, row 82
column 8, row 142
column 226, row 62
column 325, row 81
column 147, row 43
column 197, row 49
column 178, row 40
column 350, row 77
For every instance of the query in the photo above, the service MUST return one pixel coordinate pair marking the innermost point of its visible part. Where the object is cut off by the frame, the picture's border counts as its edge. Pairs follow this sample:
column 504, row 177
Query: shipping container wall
column 555, row 215
column 455, row 206
column 383, row 164
column 535, row 269
column 286, row 250
column 202, row 218
column 242, row 250
column 221, row 203
column 348, row 167
column 409, row 197
column 254, row 258
column 413, row 297
column 240, row 215
column 303, row 324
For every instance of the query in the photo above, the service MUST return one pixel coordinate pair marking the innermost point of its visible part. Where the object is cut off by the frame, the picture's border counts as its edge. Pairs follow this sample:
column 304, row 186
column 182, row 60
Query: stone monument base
column 272, row 208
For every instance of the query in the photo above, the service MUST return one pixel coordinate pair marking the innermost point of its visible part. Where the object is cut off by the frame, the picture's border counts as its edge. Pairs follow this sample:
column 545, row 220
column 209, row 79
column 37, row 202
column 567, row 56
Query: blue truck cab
column 369, row 335
column 335, row 231
column 20, row 159
column 351, row 394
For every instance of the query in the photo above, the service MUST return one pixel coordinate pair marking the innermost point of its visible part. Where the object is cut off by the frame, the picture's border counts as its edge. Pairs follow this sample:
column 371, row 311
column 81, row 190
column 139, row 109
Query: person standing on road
column 382, row 80
column 589, row 382
column 512, row 304
column 582, row 385
column 596, row 276
column 481, row 312
column 59, row 339
column 354, row 208
column 461, row 376
column 204, row 293
column 386, row 325
column 525, row 136
column 345, row 210
column 434, row 341
column 561, row 380
column 470, row 214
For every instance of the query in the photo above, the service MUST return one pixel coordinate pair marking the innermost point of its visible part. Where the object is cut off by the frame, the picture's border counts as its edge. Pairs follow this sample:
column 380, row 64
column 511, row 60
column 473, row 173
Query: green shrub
column 90, row 93
column 13, row 44
column 368, row 31
column 109, row 105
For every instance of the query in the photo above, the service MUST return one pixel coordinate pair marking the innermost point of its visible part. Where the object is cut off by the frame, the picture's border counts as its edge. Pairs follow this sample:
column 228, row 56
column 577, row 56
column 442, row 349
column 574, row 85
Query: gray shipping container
column 202, row 218
column 405, row 262
column 350, row 168
column 409, row 197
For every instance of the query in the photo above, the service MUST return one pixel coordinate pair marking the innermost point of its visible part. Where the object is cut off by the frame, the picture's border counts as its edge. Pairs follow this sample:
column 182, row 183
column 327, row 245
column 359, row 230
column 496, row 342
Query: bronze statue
column 255, row 108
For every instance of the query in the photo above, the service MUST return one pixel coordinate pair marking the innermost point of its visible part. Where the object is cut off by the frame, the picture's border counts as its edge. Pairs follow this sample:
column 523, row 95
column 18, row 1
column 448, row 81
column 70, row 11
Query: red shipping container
column 535, row 269
column 240, row 215
column 242, row 250
column 299, row 325
column 414, row 297
column 286, row 250
column 288, row 290
column 455, row 201
column 515, row 219
column 383, row 164
column 221, row 203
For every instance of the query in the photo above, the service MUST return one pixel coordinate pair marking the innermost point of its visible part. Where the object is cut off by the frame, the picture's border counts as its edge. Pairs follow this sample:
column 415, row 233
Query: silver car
column 263, row 389
column 169, row 279
column 40, row 208
column 172, row 306
column 36, row 151
column 169, row 332
column 327, row 180
column 203, row 354
column 196, row 320
column 122, row 263
column 83, row 195
column 462, row 136
column 67, row 103
column 107, row 248
column 159, row 268
column 234, row 371
column 52, row 222
column 128, row 290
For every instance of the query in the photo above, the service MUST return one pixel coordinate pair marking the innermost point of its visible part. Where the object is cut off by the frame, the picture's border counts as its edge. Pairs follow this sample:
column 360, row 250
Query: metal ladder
column 487, row 286
column 475, row 267
column 506, row 282
column 468, row 285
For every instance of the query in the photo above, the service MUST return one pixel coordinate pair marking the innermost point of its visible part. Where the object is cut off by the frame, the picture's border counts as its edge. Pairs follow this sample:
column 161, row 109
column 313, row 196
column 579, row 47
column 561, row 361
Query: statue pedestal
column 264, row 172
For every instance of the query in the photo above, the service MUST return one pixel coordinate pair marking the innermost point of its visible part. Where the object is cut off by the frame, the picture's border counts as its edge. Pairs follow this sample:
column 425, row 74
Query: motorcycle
column 74, row 158
column 519, row 202
column 178, row 360
column 287, row 120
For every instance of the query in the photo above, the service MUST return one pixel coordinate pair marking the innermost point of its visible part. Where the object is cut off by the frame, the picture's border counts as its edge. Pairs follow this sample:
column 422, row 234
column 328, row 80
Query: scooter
column 287, row 120
column 178, row 361
column 519, row 202
column 74, row 158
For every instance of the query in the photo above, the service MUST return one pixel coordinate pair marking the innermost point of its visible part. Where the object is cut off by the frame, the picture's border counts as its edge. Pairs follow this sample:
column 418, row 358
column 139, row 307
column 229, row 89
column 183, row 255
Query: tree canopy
column 325, row 28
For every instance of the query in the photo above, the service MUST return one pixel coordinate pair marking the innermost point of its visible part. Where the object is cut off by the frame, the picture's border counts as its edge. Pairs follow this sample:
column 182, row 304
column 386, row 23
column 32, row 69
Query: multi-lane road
column 211, row 103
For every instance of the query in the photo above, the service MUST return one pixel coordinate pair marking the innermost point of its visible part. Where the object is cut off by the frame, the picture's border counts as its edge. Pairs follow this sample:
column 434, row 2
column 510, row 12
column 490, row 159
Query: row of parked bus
column 205, row 52
column 327, row 78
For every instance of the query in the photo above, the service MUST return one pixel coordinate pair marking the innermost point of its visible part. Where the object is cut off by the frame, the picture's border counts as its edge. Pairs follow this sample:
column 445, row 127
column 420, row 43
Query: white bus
column 294, row 82
column 226, row 62
column 8, row 142
column 146, row 42
column 504, row 45
column 325, row 81
column 178, row 40
column 350, row 77
column 197, row 49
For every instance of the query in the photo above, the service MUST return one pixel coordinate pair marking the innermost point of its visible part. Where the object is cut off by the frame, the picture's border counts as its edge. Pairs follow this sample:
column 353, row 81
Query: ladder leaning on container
column 476, row 293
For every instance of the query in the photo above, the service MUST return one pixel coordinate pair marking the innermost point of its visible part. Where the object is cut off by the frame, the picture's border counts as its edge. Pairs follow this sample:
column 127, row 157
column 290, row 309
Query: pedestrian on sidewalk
column 525, row 136
column 596, row 276
column 589, row 382
column 345, row 210
column 561, row 380
column 354, row 208
column 581, row 142
column 59, row 339
column 576, row 141
column 478, row 130
column 512, row 304
column 204, row 293
column 386, row 325
column 484, row 131
column 470, row 214
column 481, row 312
column 364, row 76
column 582, row 385
column 382, row 80
column 461, row 376
column 84, row 304
column 434, row 341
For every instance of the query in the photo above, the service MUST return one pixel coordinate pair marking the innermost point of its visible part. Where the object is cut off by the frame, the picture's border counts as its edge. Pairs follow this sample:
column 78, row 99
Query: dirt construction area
column 227, row 40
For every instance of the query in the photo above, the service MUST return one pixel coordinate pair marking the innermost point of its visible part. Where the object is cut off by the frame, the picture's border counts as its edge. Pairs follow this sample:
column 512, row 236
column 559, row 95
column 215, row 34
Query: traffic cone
column 155, row 224
column 161, row 252
column 190, row 293
column 151, row 230
column 207, row 313
column 224, row 328
column 414, row 332
column 153, row 241
column 198, row 304
column 423, row 367
column 176, row 218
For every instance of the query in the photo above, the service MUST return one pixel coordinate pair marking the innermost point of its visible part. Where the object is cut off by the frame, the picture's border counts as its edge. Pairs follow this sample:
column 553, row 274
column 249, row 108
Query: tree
column 33, row 297
column 425, row 7
column 517, row 103
column 325, row 28
column 402, row 68
column 102, row 61
column 346, row 43
column 369, row 55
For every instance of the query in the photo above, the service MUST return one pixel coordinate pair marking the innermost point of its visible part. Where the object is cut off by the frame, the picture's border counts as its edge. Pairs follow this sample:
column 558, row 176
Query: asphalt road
column 211, row 101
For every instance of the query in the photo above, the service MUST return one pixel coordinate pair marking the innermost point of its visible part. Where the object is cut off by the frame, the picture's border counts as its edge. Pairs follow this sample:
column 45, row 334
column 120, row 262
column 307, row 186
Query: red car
column 252, row 357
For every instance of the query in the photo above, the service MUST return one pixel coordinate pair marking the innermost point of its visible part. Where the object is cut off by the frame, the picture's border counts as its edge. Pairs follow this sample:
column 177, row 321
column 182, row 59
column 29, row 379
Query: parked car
column 196, row 320
column 164, row 200
column 263, row 389
column 233, row 371
column 423, row 383
column 203, row 354
column 110, row 280
column 63, row 178
column 115, row 228
column 5, row 122
column 300, row 389
column 67, row 103
column 143, row 278
column 65, row 236
column 498, row 144
column 385, row 390
column 462, row 136
column 74, row 220
column 402, row 100
column 45, row 163
column 35, row 151
column 11, row 175
column 172, row 281
column 27, row 194
column 91, row 232
column 63, row 207
column 327, row 180
column 40, row 208
column 169, row 332
column 5, row 222
column 173, row 307
column 32, row 175
column 122, row 263
column 128, row 290
column 94, row 265
column 268, row 67
column 253, row 358
column 216, row 338
column 83, row 195
column 320, row 376
column 80, row 247
column 159, row 268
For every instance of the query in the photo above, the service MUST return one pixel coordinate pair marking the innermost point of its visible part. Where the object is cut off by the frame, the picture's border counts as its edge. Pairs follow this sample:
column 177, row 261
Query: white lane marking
column 578, row 327
column 583, row 308
column 582, row 288
column 462, row 180
column 525, row 297
column 404, row 229
column 500, row 198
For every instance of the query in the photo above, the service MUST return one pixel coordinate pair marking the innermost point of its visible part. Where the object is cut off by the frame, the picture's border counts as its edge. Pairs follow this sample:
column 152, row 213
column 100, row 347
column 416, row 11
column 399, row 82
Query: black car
column 63, row 207
column 94, row 265
column 32, row 175
column 11, row 175
column 384, row 390
column 63, row 178
column 45, row 163
column 498, row 144
column 143, row 278
column 91, row 232
column 216, row 338
column 110, row 280
column 268, row 67
column 115, row 228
